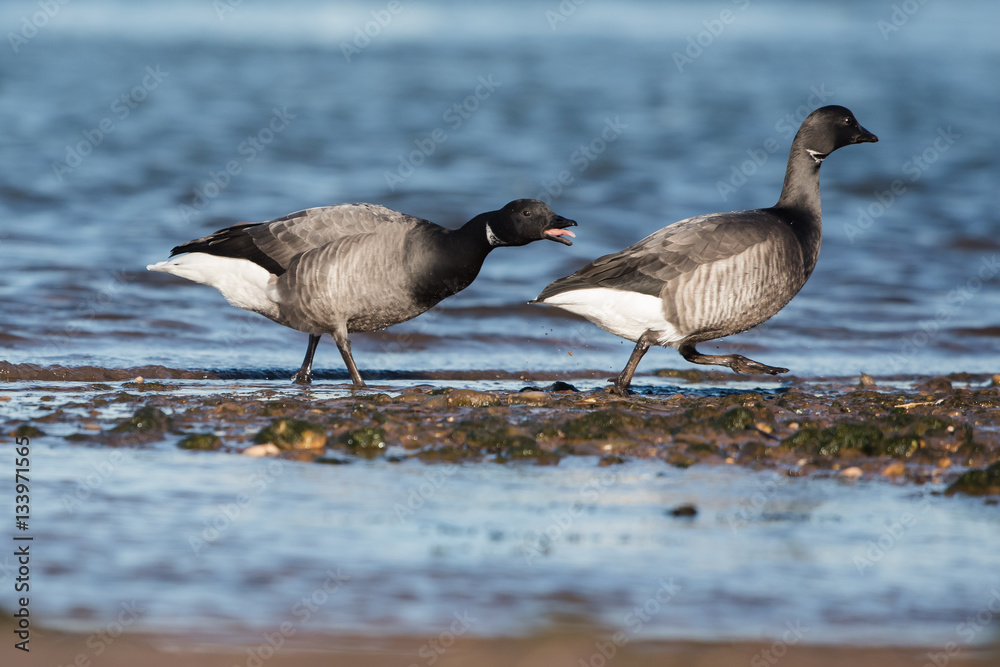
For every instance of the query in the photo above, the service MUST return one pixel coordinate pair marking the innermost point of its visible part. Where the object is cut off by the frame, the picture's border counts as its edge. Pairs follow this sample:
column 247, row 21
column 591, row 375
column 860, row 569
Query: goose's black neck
column 799, row 204
column 800, row 191
column 445, row 261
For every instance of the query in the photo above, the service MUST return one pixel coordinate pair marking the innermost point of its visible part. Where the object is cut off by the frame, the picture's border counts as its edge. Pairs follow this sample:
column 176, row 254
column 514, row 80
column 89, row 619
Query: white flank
column 242, row 282
column 625, row 314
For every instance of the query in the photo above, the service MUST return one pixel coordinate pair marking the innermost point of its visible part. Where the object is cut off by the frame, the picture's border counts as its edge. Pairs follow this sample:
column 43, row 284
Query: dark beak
column 556, row 231
column 865, row 136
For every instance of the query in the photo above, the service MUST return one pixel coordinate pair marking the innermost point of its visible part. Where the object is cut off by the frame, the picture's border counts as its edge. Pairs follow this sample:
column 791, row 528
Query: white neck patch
column 492, row 238
column 816, row 155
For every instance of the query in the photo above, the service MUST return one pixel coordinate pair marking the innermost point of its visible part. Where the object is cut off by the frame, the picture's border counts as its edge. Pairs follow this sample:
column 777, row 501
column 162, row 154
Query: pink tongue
column 559, row 232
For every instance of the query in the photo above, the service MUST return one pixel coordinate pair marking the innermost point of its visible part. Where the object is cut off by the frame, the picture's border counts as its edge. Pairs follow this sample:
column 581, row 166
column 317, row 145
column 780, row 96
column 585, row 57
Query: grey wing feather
column 284, row 238
column 675, row 250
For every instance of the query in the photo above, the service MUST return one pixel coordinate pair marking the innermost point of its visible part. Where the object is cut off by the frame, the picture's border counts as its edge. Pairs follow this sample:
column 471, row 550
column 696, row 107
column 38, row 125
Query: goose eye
column 526, row 213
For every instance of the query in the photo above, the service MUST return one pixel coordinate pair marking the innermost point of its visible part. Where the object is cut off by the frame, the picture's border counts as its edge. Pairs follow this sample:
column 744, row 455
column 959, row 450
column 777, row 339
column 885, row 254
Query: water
column 223, row 545
column 95, row 185
column 900, row 296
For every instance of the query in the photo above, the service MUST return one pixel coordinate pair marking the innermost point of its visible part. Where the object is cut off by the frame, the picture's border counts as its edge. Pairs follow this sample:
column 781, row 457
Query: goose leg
column 624, row 379
column 304, row 374
column 344, row 345
column 737, row 362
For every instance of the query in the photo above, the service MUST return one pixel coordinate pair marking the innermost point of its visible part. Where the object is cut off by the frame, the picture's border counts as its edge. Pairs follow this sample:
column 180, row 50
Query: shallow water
column 911, row 292
column 901, row 295
column 224, row 545
column 219, row 545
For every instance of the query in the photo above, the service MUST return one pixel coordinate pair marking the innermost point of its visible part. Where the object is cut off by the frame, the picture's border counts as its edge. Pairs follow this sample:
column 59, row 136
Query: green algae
column 982, row 482
column 28, row 431
column 145, row 420
column 200, row 441
column 737, row 419
column 367, row 441
column 602, row 425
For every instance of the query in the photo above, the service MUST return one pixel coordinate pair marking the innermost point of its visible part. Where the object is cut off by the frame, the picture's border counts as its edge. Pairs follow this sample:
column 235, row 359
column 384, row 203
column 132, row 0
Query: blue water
column 129, row 128
column 898, row 294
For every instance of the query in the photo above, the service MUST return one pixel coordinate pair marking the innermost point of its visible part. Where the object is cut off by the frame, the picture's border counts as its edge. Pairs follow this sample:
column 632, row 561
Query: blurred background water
column 119, row 122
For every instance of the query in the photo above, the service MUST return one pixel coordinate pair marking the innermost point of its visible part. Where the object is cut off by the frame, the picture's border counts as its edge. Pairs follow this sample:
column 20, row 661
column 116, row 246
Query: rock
column 686, row 511
column 288, row 434
column 530, row 398
column 28, row 431
column 472, row 399
column 896, row 469
column 602, row 425
column 435, row 403
column 982, row 482
column 200, row 441
column 559, row 385
column 368, row 441
column 935, row 385
column 145, row 420
column 866, row 380
column 267, row 449
column 851, row 473
column 737, row 419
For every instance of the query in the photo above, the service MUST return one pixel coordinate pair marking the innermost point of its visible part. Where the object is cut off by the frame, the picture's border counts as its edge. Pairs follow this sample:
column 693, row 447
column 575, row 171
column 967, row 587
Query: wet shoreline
column 922, row 430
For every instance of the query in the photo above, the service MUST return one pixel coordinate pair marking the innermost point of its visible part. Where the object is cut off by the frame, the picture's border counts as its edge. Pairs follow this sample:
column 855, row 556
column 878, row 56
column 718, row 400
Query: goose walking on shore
column 714, row 275
column 353, row 267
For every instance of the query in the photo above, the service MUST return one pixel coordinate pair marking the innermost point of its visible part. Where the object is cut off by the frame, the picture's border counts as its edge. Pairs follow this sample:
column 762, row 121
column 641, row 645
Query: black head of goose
column 353, row 267
column 714, row 275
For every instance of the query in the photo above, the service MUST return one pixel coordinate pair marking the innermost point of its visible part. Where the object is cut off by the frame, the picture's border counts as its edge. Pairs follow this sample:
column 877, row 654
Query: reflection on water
column 128, row 131
column 109, row 166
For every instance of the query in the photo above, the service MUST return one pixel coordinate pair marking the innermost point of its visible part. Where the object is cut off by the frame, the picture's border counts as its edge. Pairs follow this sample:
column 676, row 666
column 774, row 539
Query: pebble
column 530, row 398
column 851, row 473
column 896, row 469
column 472, row 399
column 267, row 449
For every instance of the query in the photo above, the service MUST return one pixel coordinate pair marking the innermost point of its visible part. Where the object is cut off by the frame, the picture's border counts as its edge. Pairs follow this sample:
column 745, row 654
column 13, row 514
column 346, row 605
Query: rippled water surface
column 120, row 122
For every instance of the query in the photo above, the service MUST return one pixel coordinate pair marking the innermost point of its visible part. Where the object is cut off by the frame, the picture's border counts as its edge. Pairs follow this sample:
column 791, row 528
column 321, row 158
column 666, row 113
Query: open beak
column 557, row 230
column 865, row 136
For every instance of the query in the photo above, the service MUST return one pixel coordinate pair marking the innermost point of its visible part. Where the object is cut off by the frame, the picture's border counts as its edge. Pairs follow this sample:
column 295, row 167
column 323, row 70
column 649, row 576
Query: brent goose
column 353, row 267
column 714, row 275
